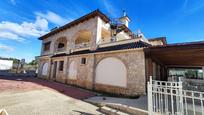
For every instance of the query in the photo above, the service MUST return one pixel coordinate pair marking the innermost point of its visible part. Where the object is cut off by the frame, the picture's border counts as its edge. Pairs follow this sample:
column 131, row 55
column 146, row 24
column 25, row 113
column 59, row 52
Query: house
column 100, row 54
column 6, row 64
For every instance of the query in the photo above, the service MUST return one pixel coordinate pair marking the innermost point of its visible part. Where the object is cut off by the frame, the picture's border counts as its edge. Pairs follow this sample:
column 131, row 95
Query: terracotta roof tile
column 133, row 45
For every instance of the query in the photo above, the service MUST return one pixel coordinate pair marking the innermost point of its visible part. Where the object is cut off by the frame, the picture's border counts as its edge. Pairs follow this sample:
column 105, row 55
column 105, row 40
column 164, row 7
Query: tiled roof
column 133, row 45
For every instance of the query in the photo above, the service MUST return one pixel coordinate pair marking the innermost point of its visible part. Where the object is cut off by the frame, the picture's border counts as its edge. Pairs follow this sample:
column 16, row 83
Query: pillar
column 203, row 71
column 96, row 34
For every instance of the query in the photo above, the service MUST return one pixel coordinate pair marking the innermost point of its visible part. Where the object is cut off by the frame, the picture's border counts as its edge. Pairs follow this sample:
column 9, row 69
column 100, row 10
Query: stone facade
column 98, row 30
column 135, row 64
column 134, row 61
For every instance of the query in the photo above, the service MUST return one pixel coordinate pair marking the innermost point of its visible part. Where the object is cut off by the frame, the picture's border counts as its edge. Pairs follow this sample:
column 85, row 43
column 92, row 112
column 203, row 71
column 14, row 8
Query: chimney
column 124, row 19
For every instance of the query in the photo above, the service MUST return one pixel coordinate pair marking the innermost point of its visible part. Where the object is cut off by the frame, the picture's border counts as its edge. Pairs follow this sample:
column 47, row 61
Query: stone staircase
column 118, row 109
column 119, row 106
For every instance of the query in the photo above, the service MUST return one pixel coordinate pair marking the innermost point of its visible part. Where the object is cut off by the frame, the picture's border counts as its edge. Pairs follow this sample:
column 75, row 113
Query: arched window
column 45, row 69
column 111, row 71
column 61, row 44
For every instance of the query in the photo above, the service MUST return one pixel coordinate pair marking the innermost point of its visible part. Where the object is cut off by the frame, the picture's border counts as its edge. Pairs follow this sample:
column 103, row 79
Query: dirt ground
column 32, row 96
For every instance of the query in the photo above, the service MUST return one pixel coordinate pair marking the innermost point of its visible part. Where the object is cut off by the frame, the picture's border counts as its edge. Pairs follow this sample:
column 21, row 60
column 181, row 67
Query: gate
column 169, row 98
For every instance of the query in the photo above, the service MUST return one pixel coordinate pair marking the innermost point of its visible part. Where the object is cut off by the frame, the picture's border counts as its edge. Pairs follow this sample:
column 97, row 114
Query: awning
column 184, row 54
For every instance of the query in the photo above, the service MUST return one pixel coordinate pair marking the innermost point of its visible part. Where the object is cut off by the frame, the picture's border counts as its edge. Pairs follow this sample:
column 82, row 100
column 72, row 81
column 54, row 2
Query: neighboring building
column 6, row 64
column 96, row 53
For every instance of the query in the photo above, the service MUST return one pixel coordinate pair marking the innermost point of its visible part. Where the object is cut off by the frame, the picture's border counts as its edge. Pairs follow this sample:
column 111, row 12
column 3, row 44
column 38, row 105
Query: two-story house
column 96, row 53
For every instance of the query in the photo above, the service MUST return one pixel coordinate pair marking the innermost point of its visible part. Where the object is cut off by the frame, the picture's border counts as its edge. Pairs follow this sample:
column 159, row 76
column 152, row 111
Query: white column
column 203, row 71
column 98, row 32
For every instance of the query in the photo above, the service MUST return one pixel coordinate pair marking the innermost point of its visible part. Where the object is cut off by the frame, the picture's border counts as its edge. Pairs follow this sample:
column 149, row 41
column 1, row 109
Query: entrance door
column 55, row 69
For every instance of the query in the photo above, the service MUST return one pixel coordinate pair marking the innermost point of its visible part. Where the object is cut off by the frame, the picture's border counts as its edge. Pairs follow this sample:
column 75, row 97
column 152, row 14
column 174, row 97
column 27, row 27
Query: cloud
column 110, row 8
column 6, row 47
column 13, row 2
column 11, row 36
column 192, row 6
column 19, row 32
column 53, row 17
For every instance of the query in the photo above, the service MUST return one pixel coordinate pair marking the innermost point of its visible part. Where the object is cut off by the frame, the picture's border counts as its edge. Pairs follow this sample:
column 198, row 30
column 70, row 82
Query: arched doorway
column 73, row 70
column 111, row 71
column 45, row 69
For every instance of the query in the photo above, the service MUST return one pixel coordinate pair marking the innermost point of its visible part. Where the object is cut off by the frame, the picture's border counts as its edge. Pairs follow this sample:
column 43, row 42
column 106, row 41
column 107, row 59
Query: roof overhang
column 183, row 54
column 77, row 21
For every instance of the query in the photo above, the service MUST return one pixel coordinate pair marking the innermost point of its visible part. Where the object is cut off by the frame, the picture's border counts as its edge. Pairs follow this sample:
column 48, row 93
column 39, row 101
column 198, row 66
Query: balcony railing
column 82, row 45
column 60, row 49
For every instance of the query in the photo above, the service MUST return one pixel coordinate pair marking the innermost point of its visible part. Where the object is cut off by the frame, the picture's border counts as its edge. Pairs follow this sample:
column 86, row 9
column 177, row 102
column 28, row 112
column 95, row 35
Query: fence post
column 150, row 96
column 181, row 96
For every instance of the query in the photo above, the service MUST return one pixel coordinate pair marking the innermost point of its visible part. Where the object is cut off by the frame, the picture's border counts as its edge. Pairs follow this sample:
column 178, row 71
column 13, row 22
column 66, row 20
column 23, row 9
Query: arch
column 111, row 71
column 61, row 44
column 45, row 68
column 82, row 38
column 73, row 70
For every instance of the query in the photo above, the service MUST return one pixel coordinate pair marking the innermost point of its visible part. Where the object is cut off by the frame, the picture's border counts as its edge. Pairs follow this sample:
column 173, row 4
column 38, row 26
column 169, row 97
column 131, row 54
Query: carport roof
column 179, row 54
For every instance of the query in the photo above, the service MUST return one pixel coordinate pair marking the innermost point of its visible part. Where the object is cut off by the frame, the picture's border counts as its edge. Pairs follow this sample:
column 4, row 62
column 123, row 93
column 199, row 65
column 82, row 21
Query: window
column 46, row 46
column 83, row 61
column 61, row 65
column 60, row 45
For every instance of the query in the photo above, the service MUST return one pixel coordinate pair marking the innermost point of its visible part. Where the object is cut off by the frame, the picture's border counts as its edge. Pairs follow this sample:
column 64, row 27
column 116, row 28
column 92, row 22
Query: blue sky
column 23, row 21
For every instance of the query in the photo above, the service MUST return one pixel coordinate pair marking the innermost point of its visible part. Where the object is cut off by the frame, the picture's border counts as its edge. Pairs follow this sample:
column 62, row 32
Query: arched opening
column 45, row 69
column 83, row 39
column 61, row 44
column 105, row 36
column 73, row 70
column 111, row 71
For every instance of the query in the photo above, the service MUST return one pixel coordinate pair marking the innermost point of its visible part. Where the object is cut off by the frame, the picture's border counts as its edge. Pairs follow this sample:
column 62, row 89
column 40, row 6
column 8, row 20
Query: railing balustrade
column 169, row 98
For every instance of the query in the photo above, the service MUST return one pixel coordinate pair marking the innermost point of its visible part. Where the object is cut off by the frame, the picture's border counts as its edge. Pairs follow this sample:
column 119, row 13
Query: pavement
column 32, row 96
column 19, row 83
column 140, row 103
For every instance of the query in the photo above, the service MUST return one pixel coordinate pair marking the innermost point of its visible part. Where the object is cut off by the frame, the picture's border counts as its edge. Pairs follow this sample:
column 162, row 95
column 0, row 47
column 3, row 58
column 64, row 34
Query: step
column 110, row 111
column 127, row 109
column 3, row 112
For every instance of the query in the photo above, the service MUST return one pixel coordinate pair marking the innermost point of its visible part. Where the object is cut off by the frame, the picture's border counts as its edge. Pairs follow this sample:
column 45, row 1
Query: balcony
column 61, row 49
column 82, row 45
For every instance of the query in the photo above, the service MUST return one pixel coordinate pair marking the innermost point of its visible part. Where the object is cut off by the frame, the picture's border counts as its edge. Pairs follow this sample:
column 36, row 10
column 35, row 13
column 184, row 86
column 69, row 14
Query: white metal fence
column 169, row 98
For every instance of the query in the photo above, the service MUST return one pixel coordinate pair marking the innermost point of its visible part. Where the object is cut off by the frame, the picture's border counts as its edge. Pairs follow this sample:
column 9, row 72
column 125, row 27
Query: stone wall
column 41, row 62
column 84, row 71
column 134, row 61
column 135, row 64
column 92, row 25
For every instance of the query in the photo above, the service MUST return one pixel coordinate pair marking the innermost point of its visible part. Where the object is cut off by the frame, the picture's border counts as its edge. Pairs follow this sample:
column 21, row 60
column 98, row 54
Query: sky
column 22, row 22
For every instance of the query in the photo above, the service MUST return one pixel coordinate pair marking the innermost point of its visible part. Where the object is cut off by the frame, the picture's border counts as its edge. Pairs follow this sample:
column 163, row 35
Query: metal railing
column 169, row 98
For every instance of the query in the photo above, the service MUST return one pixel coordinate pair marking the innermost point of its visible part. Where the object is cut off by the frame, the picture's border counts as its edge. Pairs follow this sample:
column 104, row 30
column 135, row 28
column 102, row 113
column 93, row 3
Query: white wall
column 6, row 64
column 45, row 69
column 73, row 70
column 111, row 71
